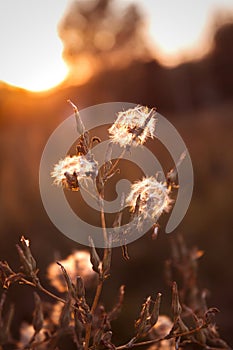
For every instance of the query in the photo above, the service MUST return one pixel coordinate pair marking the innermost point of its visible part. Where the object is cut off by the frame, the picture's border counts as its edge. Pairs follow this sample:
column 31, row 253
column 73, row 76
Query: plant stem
column 116, row 163
column 167, row 337
column 50, row 294
column 101, row 278
column 94, row 305
column 42, row 289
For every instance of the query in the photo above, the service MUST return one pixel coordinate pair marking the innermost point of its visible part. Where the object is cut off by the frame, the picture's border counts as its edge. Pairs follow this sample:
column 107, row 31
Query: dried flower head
column 149, row 198
column 67, row 172
column 133, row 127
column 76, row 264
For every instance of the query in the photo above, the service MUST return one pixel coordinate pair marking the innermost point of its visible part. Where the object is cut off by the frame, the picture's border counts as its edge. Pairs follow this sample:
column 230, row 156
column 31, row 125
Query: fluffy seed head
column 133, row 126
column 149, row 198
column 68, row 171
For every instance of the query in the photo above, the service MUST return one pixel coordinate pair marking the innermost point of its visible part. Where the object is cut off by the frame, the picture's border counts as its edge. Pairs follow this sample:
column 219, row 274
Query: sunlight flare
column 31, row 55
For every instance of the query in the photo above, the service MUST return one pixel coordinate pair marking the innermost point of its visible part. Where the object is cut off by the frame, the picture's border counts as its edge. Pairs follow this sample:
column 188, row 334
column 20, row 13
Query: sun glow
column 31, row 52
column 181, row 30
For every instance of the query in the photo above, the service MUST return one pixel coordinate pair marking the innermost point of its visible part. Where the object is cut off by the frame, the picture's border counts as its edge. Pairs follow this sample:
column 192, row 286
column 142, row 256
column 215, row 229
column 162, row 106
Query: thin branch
column 167, row 337
column 44, row 290
column 101, row 278
column 116, row 163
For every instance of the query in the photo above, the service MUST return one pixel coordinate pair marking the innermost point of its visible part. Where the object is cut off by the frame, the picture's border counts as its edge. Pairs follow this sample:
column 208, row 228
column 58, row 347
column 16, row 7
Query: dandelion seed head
column 133, row 126
column 150, row 198
column 68, row 171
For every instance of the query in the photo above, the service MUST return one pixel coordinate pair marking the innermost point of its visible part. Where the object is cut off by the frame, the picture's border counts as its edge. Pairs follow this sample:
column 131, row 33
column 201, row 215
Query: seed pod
column 26, row 265
column 27, row 251
column 141, row 325
column 70, row 286
column 176, row 307
column 108, row 157
column 155, row 231
column 106, row 340
column 38, row 317
column 94, row 257
column 209, row 316
column 65, row 315
column 80, row 289
column 79, row 123
column 155, row 313
column 5, row 323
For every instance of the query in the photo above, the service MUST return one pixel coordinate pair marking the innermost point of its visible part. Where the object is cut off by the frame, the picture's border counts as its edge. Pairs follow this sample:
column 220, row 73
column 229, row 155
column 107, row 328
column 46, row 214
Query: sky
column 31, row 51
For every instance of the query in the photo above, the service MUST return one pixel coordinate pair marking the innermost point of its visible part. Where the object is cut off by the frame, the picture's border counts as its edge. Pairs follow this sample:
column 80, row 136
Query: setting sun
column 31, row 51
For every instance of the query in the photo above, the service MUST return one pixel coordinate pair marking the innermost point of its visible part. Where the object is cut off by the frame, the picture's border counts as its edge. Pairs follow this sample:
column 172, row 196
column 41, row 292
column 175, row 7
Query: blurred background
column 176, row 56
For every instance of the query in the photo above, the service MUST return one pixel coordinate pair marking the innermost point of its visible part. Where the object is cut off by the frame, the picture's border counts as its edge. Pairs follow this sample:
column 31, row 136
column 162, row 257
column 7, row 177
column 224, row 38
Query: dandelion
column 149, row 198
column 133, row 126
column 69, row 171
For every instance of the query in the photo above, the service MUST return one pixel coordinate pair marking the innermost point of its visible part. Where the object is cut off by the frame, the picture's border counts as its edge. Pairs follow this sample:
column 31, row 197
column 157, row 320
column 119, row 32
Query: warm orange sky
column 31, row 52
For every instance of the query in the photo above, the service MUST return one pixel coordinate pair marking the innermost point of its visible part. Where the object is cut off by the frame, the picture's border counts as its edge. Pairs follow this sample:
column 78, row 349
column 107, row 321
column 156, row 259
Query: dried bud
column 125, row 252
column 70, row 286
column 209, row 316
column 106, row 340
column 79, row 123
column 80, row 289
column 155, row 232
column 107, row 336
column 26, row 258
column 142, row 325
column 38, row 318
column 65, row 316
column 94, row 257
column 155, row 312
column 27, row 251
column 176, row 307
column 5, row 323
